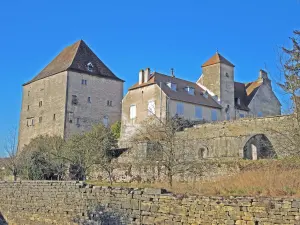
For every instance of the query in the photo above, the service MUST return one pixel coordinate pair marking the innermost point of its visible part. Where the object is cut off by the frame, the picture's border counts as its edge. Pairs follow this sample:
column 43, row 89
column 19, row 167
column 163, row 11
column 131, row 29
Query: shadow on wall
column 2, row 220
column 103, row 216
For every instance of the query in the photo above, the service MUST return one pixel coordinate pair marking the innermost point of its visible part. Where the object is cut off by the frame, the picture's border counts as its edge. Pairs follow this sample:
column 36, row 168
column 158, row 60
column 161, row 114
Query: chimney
column 146, row 74
column 263, row 76
column 172, row 72
column 141, row 76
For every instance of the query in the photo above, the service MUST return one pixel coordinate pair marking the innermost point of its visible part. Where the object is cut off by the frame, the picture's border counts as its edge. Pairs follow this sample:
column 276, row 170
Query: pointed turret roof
column 217, row 58
column 75, row 58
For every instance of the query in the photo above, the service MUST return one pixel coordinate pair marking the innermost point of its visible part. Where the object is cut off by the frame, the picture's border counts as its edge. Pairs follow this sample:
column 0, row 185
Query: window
column 132, row 111
column 205, row 94
column 173, row 86
column 89, row 100
column 214, row 116
column 190, row 90
column 28, row 108
column 198, row 112
column 90, row 67
column 28, row 93
column 180, row 109
column 105, row 121
column 70, row 117
column 40, row 119
column 32, row 122
column 109, row 103
column 151, row 107
column 84, row 82
column 40, row 103
column 54, row 117
column 259, row 114
column 237, row 101
column 77, row 122
column 242, row 115
column 74, row 100
column 27, row 123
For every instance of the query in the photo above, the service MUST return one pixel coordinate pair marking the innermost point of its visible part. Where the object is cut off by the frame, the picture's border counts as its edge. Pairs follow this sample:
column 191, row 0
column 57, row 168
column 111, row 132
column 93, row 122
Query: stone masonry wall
column 47, row 202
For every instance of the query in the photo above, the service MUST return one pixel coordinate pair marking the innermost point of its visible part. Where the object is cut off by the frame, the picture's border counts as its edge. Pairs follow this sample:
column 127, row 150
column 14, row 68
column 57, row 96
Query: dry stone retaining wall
column 47, row 202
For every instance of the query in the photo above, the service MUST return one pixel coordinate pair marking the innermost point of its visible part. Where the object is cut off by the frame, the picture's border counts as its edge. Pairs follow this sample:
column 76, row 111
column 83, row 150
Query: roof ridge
column 71, row 61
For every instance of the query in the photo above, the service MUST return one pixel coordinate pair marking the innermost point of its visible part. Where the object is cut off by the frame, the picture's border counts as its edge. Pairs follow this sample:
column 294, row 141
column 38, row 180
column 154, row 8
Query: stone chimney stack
column 141, row 76
column 146, row 75
column 263, row 76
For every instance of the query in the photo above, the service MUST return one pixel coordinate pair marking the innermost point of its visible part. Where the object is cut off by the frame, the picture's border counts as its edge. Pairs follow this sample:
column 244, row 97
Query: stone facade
column 92, row 102
column 48, row 202
column 43, row 108
column 73, row 93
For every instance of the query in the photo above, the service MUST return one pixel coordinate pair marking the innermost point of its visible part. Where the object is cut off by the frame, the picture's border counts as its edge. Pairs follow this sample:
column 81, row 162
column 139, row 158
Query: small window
column 40, row 103
column 105, row 121
column 70, row 117
column 27, row 123
column 32, row 122
column 198, row 112
column 109, row 103
column 77, row 121
column 84, row 82
column 89, row 100
column 28, row 93
column 90, row 67
column 190, row 90
column 54, row 117
column 40, row 119
column 151, row 108
column 28, row 108
column 214, row 115
column 227, row 75
column 74, row 100
column 205, row 94
column 132, row 111
column 242, row 115
column 179, row 109
column 259, row 114
column 173, row 86
column 237, row 101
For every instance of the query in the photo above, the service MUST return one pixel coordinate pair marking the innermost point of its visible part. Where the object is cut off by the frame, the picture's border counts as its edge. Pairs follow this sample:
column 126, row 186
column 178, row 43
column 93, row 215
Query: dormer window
column 90, row 67
column 205, row 94
column 190, row 90
column 237, row 101
column 173, row 86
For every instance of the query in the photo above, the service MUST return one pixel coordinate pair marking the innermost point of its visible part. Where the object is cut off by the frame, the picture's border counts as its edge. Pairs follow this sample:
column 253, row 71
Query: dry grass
column 261, row 178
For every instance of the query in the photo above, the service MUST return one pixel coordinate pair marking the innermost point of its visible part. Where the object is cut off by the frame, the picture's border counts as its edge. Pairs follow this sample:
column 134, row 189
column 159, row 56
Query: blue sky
column 134, row 34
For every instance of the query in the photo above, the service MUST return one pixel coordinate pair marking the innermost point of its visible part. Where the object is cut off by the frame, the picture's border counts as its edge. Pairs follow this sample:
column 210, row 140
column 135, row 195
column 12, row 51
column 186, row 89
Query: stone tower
column 218, row 77
column 71, row 94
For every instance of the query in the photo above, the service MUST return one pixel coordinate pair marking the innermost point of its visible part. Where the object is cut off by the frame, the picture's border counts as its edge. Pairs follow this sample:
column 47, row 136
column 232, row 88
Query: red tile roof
column 76, row 57
column 217, row 58
column 180, row 94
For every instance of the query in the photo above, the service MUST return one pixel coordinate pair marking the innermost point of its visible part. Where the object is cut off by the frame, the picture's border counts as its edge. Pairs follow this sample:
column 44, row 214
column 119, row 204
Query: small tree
column 42, row 158
column 92, row 148
column 11, row 163
column 165, row 147
column 290, row 63
column 116, row 129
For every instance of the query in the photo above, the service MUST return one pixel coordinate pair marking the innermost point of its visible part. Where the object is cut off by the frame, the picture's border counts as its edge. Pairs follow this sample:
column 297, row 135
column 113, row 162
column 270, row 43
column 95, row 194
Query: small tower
column 218, row 77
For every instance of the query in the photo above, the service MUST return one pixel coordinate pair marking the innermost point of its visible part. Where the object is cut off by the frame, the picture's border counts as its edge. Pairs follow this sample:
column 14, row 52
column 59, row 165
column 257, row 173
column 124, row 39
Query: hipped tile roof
column 217, row 58
column 75, row 58
column 180, row 94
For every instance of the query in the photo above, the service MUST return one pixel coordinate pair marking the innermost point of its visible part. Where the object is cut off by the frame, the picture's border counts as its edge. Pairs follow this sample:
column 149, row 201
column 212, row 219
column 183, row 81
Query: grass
column 260, row 178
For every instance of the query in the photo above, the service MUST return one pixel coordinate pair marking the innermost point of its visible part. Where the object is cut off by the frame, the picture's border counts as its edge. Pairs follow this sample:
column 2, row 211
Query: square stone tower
column 70, row 95
column 218, row 77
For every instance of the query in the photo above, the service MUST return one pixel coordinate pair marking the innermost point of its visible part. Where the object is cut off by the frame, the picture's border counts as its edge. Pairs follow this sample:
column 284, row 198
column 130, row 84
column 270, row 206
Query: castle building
column 71, row 94
column 214, row 97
